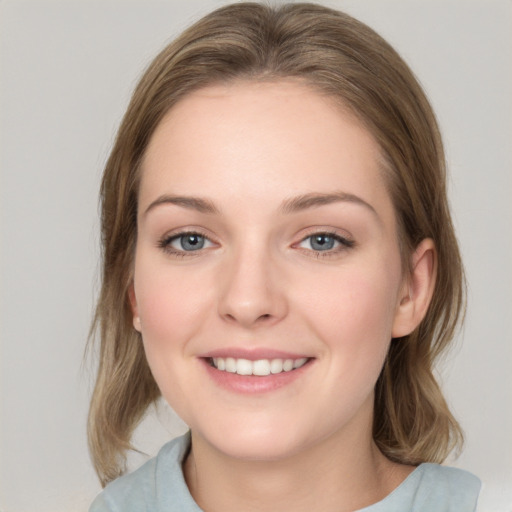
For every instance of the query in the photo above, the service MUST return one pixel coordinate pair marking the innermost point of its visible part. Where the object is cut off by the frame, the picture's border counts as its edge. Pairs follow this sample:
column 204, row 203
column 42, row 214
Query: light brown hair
column 344, row 59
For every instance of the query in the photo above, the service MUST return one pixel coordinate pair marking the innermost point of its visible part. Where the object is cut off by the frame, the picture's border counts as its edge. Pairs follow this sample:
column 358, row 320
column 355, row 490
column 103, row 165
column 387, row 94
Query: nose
column 252, row 292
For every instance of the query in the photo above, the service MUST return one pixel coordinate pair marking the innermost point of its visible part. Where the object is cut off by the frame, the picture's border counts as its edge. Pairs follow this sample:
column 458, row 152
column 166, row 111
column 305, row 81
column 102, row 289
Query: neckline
column 409, row 482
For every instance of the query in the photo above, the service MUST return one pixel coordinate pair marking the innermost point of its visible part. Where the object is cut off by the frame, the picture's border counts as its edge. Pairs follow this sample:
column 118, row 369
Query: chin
column 258, row 449
column 274, row 442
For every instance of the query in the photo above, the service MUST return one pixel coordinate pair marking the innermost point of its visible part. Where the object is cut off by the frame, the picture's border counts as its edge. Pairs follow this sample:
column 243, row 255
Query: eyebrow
column 192, row 203
column 314, row 199
column 291, row 205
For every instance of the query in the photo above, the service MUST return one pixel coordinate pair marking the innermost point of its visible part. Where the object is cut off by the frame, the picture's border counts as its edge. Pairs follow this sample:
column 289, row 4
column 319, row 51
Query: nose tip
column 246, row 317
column 252, row 295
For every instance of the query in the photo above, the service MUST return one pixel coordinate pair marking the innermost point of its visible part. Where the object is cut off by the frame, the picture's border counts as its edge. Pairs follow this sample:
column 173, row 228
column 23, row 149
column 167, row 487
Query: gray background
column 67, row 69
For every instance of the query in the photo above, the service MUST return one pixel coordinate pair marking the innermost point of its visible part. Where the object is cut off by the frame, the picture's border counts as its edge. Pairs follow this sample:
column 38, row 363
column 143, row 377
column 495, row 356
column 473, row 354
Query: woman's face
column 266, row 241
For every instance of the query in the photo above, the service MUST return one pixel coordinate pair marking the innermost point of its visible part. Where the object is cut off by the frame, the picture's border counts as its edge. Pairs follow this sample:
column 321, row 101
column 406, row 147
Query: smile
column 260, row 367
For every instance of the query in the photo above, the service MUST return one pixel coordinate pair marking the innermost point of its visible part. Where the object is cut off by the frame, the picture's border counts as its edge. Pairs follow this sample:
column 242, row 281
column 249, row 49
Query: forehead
column 261, row 139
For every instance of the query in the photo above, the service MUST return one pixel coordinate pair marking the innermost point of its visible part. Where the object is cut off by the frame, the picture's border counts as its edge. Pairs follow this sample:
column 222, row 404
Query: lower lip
column 250, row 384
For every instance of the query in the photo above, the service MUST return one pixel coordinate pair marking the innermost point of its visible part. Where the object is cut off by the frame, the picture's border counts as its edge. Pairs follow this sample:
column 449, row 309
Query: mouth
column 259, row 367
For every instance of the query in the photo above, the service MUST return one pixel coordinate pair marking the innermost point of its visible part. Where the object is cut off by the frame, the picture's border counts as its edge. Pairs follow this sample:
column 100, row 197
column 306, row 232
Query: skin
column 246, row 149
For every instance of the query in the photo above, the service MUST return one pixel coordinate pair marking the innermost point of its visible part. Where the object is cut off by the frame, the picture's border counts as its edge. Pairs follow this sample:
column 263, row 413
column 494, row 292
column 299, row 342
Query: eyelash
column 344, row 244
column 166, row 241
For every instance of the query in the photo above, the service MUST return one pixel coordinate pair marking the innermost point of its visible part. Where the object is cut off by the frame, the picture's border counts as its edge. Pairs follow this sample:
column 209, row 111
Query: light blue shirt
column 159, row 486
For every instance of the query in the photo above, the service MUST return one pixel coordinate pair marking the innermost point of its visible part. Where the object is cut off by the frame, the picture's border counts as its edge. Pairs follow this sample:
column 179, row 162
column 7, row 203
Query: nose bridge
column 251, row 291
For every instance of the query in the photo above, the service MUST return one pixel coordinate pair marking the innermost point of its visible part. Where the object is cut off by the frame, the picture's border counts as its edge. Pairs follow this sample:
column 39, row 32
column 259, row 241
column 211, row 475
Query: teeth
column 276, row 366
column 230, row 365
column 261, row 367
column 243, row 367
column 287, row 365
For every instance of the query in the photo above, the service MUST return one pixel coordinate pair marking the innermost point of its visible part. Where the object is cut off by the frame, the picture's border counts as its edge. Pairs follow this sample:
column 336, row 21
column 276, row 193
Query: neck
column 343, row 472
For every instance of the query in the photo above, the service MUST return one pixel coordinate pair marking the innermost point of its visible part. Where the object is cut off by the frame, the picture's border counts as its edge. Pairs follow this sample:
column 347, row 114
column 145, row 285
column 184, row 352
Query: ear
column 417, row 290
column 133, row 305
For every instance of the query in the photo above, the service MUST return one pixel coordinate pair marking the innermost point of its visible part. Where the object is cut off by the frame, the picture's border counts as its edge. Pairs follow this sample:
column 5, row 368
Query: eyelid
column 330, row 231
column 164, row 242
column 345, row 241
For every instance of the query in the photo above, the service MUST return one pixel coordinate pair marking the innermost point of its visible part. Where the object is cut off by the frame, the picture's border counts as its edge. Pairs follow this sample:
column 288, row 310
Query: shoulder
column 150, row 487
column 450, row 489
column 432, row 488
column 449, row 475
column 134, row 491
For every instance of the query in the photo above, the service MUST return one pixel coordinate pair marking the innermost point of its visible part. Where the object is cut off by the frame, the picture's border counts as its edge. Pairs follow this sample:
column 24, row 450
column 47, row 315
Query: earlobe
column 133, row 305
column 417, row 291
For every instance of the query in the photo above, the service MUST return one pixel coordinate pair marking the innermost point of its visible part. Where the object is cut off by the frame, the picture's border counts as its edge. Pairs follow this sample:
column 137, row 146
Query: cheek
column 172, row 310
column 353, row 313
column 171, row 305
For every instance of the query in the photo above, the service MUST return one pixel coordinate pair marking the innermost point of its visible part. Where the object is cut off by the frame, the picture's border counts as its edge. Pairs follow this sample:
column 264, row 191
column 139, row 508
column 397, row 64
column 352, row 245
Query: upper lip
column 252, row 354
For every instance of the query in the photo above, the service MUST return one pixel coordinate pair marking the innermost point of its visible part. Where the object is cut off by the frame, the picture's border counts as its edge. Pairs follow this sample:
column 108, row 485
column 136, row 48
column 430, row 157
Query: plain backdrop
column 67, row 70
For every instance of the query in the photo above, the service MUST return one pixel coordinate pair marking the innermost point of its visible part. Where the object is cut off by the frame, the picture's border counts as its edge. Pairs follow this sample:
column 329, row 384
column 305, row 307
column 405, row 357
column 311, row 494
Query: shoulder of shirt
column 450, row 476
column 455, row 487
column 137, row 490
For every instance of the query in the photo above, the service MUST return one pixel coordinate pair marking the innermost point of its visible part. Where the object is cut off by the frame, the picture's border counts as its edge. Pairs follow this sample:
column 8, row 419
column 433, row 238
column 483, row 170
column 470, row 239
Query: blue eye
column 183, row 243
column 322, row 242
column 188, row 242
column 325, row 242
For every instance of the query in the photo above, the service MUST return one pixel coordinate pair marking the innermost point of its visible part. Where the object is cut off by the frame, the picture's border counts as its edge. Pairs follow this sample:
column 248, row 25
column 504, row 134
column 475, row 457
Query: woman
column 280, row 265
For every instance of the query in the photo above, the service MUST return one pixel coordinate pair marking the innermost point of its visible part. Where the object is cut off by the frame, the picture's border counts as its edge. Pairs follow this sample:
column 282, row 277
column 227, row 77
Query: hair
column 347, row 61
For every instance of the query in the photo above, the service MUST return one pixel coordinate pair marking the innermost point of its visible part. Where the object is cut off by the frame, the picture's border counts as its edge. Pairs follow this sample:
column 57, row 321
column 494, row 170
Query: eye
column 325, row 242
column 188, row 242
column 185, row 242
